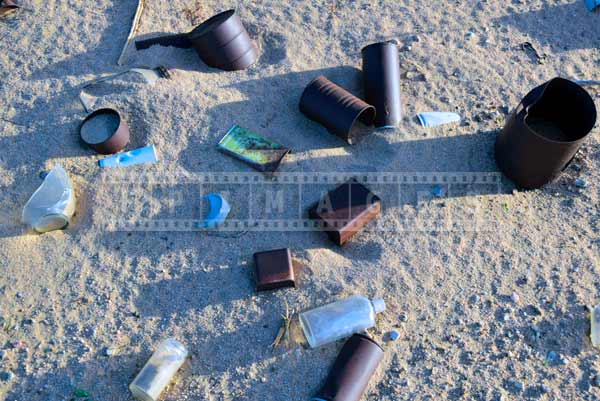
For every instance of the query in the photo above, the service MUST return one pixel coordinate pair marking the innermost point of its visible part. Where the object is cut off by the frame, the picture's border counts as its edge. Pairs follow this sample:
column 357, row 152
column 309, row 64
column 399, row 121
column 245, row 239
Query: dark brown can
column 221, row 42
column 105, row 131
column 355, row 365
column 381, row 77
column 335, row 108
column 543, row 134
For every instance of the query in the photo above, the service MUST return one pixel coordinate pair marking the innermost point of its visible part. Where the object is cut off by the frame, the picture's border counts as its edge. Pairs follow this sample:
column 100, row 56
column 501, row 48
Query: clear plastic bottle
column 340, row 319
column 159, row 370
column 52, row 205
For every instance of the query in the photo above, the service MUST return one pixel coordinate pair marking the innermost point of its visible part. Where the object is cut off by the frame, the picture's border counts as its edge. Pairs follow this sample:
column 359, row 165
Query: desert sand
column 487, row 286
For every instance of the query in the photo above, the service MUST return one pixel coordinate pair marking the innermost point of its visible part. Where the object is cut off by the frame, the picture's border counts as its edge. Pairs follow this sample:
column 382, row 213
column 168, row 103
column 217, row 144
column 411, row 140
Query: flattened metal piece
column 274, row 269
column 346, row 210
column 261, row 153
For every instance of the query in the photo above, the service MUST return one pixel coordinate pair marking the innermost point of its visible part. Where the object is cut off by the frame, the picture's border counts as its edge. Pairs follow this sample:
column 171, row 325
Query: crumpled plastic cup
column 52, row 205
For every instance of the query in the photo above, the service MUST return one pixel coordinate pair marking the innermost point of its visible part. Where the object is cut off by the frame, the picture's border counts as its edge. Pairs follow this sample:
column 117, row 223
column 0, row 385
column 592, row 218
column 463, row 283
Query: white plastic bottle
column 340, row 319
column 159, row 370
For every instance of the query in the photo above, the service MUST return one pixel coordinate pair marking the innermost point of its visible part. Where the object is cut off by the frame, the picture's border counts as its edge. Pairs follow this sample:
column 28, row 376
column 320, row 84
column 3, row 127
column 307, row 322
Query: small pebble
column 581, row 183
column 551, row 357
column 394, row 335
column 515, row 297
column 596, row 381
column 110, row 351
column 403, row 317
column 19, row 295
column 2, row 355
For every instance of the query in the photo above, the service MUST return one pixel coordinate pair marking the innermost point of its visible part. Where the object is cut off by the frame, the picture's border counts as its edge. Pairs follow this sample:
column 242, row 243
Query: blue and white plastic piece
column 137, row 156
column 219, row 210
column 435, row 118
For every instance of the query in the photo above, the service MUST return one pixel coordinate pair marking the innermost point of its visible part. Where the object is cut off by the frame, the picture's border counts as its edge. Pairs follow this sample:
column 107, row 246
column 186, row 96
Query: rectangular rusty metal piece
column 274, row 269
column 346, row 210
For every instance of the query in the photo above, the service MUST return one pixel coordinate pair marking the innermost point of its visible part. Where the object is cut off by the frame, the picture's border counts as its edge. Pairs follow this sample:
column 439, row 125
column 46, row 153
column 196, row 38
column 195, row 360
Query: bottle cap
column 378, row 305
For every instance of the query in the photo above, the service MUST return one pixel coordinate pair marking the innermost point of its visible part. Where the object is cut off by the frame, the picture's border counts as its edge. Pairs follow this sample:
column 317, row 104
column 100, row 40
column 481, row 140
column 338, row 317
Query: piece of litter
column 52, row 205
column 595, row 326
column 438, row 191
column 551, row 357
column 149, row 75
column 159, row 371
column 134, row 25
column 588, row 82
column 7, row 7
column 261, row 153
column 219, row 210
column 436, row 118
column 81, row 393
column 138, row 156
column 581, row 183
column 394, row 335
column 592, row 4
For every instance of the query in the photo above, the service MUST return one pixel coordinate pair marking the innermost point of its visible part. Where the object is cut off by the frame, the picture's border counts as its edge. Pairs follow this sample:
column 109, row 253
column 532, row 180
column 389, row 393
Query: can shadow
column 548, row 24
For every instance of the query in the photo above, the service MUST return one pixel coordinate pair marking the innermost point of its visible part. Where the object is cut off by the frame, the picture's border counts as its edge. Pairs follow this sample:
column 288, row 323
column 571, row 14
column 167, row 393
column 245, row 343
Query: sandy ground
column 479, row 308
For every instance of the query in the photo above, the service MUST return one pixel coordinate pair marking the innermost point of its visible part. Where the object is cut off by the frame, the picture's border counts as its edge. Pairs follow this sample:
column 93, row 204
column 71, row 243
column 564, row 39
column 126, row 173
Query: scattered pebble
column 596, row 381
column 20, row 295
column 515, row 297
column 403, row 317
column 581, row 183
column 551, row 357
column 110, row 351
column 2, row 355
column 394, row 335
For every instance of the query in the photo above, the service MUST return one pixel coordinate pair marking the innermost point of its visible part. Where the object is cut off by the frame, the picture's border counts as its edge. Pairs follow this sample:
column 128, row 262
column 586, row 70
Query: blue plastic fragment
column 394, row 335
column 137, row 156
column 219, row 210
column 592, row 4
column 435, row 118
column 438, row 191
